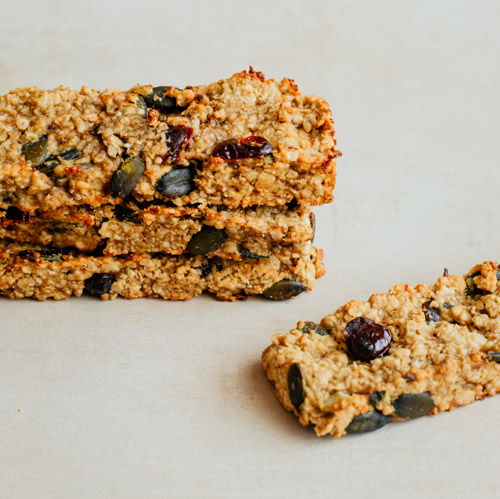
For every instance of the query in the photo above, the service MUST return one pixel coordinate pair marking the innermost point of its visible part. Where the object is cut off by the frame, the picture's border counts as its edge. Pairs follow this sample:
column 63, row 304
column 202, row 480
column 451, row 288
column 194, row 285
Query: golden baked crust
column 106, row 128
column 446, row 345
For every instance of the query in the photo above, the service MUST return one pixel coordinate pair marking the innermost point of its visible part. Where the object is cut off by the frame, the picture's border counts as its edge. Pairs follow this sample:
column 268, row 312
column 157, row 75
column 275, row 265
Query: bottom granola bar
column 42, row 272
column 398, row 356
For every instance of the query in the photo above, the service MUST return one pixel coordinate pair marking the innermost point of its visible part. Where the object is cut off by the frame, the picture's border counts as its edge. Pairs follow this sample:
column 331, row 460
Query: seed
column 432, row 314
column 126, row 215
column 296, row 386
column 471, row 289
column 163, row 103
column 369, row 421
column 312, row 218
column 413, row 405
column 284, row 289
column 376, row 398
column 36, row 151
column 126, row 177
column 140, row 102
column 366, row 340
column 99, row 284
column 55, row 159
column 312, row 327
column 208, row 240
column 248, row 254
column 176, row 183
column 494, row 356
column 15, row 214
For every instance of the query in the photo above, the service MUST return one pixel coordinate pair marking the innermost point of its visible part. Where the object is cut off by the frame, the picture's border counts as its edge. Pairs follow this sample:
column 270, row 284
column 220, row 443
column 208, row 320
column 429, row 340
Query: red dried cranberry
column 249, row 147
column 16, row 215
column 366, row 340
column 431, row 313
column 99, row 284
column 177, row 137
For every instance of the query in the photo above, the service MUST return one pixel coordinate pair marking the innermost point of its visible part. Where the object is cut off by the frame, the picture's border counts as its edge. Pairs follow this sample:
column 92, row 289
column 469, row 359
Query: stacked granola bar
column 160, row 191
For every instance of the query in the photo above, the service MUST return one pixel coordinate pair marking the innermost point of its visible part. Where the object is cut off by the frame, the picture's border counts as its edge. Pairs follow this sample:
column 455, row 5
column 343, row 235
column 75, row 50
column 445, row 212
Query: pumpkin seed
column 296, row 386
column 413, row 405
column 176, row 183
column 494, row 356
column 157, row 100
column 284, row 289
column 36, row 151
column 208, row 240
column 127, row 176
column 369, row 421
column 312, row 327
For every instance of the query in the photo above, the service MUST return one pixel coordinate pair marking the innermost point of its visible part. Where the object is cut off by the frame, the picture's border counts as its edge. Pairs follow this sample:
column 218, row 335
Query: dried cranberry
column 431, row 313
column 16, row 214
column 177, row 137
column 249, row 147
column 99, row 284
column 366, row 340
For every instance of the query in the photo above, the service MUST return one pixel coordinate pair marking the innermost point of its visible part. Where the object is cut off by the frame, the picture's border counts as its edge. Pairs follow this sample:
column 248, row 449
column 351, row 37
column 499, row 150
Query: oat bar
column 411, row 352
column 128, row 228
column 237, row 142
column 43, row 272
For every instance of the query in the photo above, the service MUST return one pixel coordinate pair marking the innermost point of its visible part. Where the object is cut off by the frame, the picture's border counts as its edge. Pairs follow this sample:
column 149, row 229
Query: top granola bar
column 238, row 142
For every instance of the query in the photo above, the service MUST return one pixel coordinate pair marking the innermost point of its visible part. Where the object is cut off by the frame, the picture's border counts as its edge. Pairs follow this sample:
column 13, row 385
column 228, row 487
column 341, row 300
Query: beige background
column 154, row 399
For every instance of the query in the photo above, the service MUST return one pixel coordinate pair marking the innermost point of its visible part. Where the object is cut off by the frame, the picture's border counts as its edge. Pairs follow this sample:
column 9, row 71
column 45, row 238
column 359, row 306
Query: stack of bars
column 163, row 192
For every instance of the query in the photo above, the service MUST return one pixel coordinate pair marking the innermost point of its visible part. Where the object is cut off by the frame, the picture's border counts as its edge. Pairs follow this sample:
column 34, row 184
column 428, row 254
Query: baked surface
column 43, row 272
column 444, row 353
column 64, row 147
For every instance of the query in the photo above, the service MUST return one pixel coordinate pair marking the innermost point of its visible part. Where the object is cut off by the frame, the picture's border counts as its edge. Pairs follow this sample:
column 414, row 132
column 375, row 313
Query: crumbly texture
column 107, row 127
column 257, row 232
column 444, row 340
column 41, row 273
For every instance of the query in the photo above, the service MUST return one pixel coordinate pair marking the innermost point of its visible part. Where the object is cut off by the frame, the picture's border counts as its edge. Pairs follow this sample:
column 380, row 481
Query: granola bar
column 237, row 142
column 42, row 272
column 129, row 228
column 407, row 353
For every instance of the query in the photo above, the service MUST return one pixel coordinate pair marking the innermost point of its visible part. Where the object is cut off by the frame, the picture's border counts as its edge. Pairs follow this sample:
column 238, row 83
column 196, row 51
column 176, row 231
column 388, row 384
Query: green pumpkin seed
column 334, row 398
column 296, row 386
column 284, row 290
column 140, row 102
column 369, row 421
column 208, row 240
column 36, row 151
column 127, row 176
column 494, row 356
column 55, row 159
column 413, row 405
column 159, row 101
column 248, row 254
column 176, row 183
column 312, row 327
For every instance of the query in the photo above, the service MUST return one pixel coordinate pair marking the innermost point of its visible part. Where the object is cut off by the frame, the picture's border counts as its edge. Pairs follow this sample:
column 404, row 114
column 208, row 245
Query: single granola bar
column 411, row 352
column 130, row 228
column 237, row 142
column 43, row 272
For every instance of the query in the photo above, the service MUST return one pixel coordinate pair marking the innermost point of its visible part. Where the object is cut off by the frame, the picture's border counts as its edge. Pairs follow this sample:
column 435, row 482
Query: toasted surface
column 88, row 134
column 446, row 341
